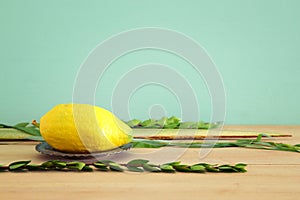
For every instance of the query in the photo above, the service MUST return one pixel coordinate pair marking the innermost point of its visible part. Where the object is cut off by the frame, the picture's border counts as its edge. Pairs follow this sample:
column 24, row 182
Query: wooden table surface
column 271, row 174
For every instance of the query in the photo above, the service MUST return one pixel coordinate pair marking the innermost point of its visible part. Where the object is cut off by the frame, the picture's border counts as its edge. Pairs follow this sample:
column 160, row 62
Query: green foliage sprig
column 169, row 123
column 32, row 129
column 137, row 165
column 24, row 127
column 34, row 134
column 244, row 143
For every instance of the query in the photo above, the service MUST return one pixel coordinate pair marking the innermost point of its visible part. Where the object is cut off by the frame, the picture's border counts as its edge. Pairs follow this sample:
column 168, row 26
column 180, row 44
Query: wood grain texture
column 10, row 134
column 271, row 175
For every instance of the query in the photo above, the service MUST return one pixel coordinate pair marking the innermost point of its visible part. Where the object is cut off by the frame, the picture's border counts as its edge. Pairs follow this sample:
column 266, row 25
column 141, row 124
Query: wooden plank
column 260, row 182
column 271, row 174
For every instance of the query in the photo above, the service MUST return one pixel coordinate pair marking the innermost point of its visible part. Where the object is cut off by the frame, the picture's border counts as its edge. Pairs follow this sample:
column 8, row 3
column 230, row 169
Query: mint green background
column 255, row 45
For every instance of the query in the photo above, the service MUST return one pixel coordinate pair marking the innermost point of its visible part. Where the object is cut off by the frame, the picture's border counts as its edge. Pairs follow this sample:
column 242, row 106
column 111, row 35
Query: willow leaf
column 23, row 124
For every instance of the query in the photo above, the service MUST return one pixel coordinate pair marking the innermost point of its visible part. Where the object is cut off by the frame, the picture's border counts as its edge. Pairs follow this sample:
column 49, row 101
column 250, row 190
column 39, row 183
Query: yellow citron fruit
column 82, row 128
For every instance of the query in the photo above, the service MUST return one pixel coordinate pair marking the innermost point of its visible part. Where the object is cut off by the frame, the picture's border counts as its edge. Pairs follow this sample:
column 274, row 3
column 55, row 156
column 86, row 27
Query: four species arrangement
column 82, row 128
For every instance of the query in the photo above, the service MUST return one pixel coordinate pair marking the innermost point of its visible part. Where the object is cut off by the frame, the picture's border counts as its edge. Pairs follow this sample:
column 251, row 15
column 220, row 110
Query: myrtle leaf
column 240, row 167
column 182, row 168
column 151, row 168
column 173, row 163
column 137, row 162
column 59, row 164
column 227, row 168
column 101, row 166
column 115, row 167
column 35, row 167
column 210, row 168
column 76, row 165
column 134, row 169
column 87, row 168
column 106, row 162
column 18, row 165
column 198, row 168
column 167, row 168
column 48, row 164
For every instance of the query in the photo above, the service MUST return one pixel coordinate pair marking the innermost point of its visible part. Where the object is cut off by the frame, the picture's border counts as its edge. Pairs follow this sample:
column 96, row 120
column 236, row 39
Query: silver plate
column 46, row 149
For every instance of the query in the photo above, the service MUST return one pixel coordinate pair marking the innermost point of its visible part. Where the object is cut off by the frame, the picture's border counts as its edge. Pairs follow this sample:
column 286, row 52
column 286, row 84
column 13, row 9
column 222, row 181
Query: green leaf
column 101, row 166
column 23, row 124
column 102, row 169
column 35, row 138
column 182, row 168
column 5, row 126
column 254, row 146
column 188, row 125
column 76, row 165
column 54, row 164
column 137, row 162
column 241, row 167
column 167, row 168
column 203, row 125
column 87, row 168
column 148, row 144
column 59, row 164
column 134, row 169
column 259, row 137
column 225, row 144
column 227, row 168
column 267, row 144
column 133, row 123
column 172, row 123
column 150, row 123
column 151, row 168
column 106, row 162
column 34, row 167
column 30, row 130
column 198, row 168
column 173, row 163
column 115, row 167
column 210, row 168
column 161, row 123
column 48, row 164
column 18, row 165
